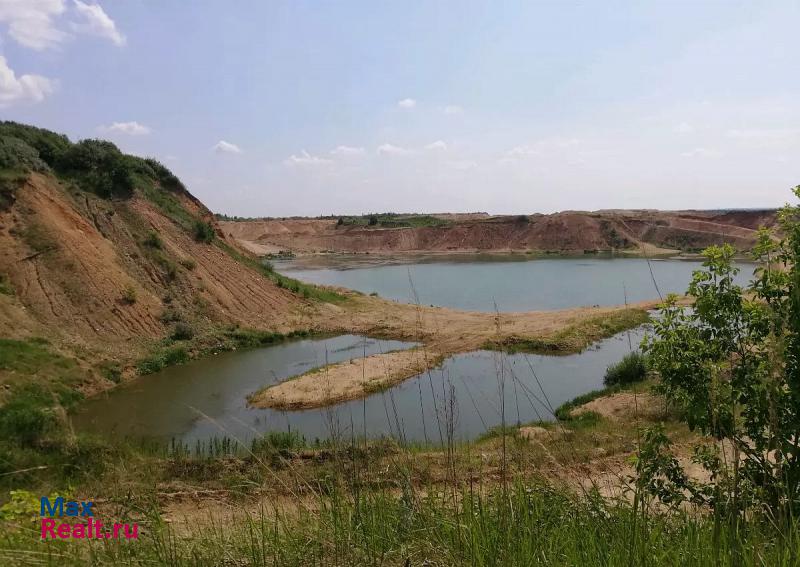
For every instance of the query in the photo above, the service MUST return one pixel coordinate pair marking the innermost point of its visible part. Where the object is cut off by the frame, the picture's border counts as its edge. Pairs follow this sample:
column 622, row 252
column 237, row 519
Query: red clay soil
column 569, row 232
column 77, row 266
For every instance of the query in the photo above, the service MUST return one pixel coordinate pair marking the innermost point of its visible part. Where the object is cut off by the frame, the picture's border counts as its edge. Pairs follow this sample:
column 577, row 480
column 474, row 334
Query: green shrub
column 49, row 145
column 26, row 418
column 162, row 359
column 277, row 441
column 111, row 371
column 153, row 240
column 203, row 231
column 5, row 286
column 16, row 155
column 188, row 263
column 10, row 183
column 99, row 167
column 165, row 177
column 632, row 368
column 129, row 295
column 170, row 316
column 182, row 332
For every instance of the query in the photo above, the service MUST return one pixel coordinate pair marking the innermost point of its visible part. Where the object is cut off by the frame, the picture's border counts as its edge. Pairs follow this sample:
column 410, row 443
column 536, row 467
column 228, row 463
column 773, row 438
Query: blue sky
column 307, row 108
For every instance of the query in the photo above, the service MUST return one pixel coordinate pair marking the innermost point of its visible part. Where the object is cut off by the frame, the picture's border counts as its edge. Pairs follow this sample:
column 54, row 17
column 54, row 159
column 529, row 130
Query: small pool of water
column 207, row 398
column 507, row 283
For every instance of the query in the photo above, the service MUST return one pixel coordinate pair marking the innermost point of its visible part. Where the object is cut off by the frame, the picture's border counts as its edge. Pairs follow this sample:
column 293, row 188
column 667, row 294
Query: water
column 206, row 398
column 513, row 283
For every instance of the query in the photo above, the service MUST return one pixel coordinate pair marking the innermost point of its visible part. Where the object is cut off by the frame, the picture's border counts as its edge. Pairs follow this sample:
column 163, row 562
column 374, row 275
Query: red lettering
column 134, row 533
column 64, row 531
column 116, row 530
column 97, row 527
column 48, row 525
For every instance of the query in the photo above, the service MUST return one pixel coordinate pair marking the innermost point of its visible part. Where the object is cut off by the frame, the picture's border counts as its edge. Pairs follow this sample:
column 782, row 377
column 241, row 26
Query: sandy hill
column 106, row 254
column 570, row 231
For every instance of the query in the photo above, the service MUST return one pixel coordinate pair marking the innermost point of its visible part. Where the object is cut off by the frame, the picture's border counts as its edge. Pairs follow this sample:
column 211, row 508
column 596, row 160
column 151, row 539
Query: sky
column 327, row 108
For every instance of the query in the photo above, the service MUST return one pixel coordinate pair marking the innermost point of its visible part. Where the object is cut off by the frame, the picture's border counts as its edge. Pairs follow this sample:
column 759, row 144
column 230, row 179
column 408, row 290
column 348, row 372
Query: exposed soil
column 623, row 406
column 568, row 232
column 345, row 381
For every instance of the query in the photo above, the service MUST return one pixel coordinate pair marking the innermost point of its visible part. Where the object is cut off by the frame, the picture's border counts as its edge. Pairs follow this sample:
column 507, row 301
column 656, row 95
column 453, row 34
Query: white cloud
column 548, row 146
column 306, row 159
column 437, row 145
column 461, row 165
column 453, row 109
column 524, row 150
column 96, row 22
column 391, row 150
column 348, row 151
column 684, row 128
column 25, row 88
column 766, row 138
column 407, row 103
column 30, row 22
column 702, row 153
column 223, row 147
column 132, row 128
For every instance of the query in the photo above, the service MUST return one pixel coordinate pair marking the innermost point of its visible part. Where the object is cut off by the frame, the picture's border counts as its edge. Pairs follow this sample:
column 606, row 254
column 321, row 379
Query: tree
column 731, row 363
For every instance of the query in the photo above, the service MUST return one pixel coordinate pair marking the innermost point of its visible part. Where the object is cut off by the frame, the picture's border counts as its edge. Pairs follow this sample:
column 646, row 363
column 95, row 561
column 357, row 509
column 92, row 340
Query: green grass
column 526, row 523
column 38, row 238
column 5, row 285
column 393, row 220
column 307, row 291
column 169, row 205
column 162, row 358
column 20, row 359
column 632, row 368
column 575, row 338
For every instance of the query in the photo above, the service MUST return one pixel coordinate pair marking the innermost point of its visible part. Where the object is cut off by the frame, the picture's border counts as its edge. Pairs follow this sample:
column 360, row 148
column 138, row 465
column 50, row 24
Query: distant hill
column 631, row 231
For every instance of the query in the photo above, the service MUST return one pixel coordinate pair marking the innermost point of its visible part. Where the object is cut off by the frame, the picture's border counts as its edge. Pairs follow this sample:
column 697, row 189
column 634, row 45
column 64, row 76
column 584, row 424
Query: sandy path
column 345, row 380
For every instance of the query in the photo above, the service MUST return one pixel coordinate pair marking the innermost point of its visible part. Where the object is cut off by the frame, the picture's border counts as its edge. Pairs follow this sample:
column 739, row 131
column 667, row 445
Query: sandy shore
column 345, row 380
column 442, row 333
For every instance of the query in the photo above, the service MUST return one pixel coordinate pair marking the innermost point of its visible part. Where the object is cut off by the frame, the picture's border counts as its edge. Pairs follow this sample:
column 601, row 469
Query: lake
column 509, row 283
column 207, row 398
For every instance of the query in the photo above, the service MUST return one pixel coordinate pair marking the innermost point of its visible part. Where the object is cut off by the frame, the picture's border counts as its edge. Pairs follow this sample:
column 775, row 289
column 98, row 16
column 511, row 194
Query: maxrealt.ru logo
column 91, row 529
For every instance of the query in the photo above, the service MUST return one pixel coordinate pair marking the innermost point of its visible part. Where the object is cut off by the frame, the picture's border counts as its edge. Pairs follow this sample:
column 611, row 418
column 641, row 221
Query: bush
column 162, row 359
column 153, row 240
column 16, row 155
column 5, row 286
column 373, row 220
column 203, row 231
column 182, row 332
column 129, row 295
column 26, row 417
column 188, row 263
column 165, row 177
column 48, row 145
column 632, row 368
column 98, row 166
column 170, row 316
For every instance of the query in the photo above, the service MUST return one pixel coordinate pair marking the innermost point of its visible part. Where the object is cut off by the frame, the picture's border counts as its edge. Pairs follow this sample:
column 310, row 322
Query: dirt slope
column 78, row 266
column 560, row 232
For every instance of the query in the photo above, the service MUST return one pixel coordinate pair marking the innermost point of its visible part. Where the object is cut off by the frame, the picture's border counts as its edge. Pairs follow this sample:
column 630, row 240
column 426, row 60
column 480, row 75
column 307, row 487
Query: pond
column 207, row 398
column 505, row 283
